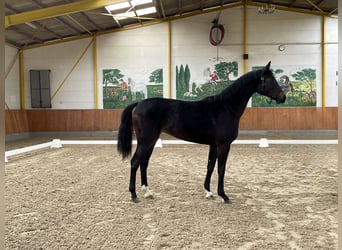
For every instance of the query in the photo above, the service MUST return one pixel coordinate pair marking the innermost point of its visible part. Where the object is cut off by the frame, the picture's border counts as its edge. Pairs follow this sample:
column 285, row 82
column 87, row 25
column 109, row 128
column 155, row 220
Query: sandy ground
column 76, row 197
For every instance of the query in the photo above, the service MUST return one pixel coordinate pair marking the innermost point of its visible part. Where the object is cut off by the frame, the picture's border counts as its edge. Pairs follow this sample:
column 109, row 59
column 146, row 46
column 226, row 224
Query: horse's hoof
column 209, row 195
column 147, row 192
column 135, row 200
column 226, row 201
column 150, row 196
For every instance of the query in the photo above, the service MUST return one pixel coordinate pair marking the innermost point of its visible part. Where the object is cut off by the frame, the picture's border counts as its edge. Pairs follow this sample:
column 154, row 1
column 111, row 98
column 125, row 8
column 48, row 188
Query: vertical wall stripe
column 96, row 96
column 244, row 37
column 323, row 62
column 169, row 61
column 21, row 80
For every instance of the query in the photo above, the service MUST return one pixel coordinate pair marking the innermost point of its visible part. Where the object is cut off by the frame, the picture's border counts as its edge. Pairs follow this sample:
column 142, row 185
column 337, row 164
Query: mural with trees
column 119, row 90
column 211, row 82
column 300, row 88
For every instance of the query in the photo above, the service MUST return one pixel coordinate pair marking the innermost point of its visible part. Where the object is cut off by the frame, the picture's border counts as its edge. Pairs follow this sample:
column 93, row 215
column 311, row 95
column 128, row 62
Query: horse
column 196, row 84
column 137, row 87
column 213, row 121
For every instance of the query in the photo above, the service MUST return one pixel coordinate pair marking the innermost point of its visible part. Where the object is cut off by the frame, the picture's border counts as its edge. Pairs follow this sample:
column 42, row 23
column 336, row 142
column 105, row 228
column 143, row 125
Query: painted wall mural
column 299, row 84
column 120, row 90
column 213, row 80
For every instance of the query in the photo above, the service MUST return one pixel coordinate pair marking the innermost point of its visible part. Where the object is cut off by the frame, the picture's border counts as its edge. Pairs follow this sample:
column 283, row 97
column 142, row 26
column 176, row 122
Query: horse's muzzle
column 281, row 97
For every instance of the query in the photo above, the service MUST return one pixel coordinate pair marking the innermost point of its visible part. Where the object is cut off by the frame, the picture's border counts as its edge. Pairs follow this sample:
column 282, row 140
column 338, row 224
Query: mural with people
column 211, row 82
column 120, row 90
column 299, row 84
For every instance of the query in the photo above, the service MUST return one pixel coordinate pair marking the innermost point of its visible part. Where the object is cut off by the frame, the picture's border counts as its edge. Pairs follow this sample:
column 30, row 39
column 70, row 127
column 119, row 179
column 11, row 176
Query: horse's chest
column 227, row 129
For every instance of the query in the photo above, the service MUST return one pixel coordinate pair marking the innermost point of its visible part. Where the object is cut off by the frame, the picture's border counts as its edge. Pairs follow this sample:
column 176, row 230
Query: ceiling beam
column 292, row 9
column 55, row 11
column 315, row 5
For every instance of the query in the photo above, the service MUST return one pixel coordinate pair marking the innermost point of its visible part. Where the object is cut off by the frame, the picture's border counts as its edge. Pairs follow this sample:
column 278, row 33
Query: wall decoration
column 213, row 80
column 299, row 84
column 120, row 90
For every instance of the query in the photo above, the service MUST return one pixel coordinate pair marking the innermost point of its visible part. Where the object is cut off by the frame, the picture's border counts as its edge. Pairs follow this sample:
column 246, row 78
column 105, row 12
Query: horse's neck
column 241, row 93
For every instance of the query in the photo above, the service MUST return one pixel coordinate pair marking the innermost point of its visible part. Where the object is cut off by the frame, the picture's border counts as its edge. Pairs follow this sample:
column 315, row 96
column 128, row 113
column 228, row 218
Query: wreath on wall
column 216, row 34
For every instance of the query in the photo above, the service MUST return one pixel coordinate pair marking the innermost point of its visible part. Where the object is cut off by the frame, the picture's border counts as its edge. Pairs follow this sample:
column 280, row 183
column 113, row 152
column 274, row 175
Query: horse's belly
column 190, row 135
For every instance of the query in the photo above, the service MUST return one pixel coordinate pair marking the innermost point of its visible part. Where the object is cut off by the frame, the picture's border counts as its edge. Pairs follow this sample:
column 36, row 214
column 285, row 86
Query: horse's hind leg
column 210, row 168
column 134, row 168
column 143, row 172
column 140, row 158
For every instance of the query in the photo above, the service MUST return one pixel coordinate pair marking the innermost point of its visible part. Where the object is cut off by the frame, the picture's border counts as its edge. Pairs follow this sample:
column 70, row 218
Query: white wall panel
column 282, row 27
column 12, row 84
column 136, row 53
column 332, row 61
column 332, row 75
column 76, row 92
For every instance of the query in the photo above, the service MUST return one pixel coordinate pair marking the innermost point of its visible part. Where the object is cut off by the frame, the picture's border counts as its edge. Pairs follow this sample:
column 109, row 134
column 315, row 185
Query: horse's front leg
column 210, row 168
column 222, row 160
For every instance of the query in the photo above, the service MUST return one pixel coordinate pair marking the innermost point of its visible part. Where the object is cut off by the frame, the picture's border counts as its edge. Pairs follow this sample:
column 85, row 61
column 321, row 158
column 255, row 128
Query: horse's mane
column 233, row 89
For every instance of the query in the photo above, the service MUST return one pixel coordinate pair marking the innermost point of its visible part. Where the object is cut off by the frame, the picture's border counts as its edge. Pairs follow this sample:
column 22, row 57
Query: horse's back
column 154, row 107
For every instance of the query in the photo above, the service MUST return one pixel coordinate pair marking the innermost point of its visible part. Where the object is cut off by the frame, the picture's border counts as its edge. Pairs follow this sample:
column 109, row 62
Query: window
column 40, row 88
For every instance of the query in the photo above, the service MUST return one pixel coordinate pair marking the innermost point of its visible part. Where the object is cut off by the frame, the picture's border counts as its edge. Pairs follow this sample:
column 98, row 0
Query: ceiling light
column 31, row 25
column 118, row 6
column 140, row 2
column 125, row 15
column 126, row 4
column 146, row 11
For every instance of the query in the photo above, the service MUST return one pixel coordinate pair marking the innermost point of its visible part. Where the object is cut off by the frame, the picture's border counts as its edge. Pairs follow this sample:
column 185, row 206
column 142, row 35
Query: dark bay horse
column 213, row 120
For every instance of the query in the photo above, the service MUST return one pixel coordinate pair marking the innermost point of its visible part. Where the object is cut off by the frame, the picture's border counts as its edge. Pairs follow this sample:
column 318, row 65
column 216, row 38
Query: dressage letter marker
column 263, row 143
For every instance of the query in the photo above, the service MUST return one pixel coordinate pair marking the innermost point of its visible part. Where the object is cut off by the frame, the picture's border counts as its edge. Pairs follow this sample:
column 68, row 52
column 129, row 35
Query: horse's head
column 268, row 85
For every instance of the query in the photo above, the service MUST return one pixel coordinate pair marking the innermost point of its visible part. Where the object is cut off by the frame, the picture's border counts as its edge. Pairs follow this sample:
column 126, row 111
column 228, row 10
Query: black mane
column 235, row 87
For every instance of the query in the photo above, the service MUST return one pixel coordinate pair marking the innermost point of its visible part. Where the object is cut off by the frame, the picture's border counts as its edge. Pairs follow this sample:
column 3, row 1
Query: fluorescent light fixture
column 129, row 5
column 118, row 6
column 125, row 15
column 140, row 2
column 31, row 25
column 126, row 4
column 146, row 11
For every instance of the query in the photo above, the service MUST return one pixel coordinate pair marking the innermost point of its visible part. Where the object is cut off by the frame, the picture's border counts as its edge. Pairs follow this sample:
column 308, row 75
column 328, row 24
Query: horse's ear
column 267, row 67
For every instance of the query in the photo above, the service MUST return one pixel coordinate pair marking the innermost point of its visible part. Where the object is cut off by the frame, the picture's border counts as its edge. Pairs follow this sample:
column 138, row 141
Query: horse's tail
column 125, row 132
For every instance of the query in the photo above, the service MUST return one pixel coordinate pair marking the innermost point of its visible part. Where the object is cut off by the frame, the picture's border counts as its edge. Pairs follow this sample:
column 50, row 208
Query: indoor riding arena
column 249, row 88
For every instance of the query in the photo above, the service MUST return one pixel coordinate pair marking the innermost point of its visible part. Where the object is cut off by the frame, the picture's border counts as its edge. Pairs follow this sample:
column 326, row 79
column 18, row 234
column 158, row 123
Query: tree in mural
column 155, row 90
column 111, row 76
column 277, row 71
column 186, row 78
column 182, row 79
column 177, row 73
column 156, row 76
column 306, row 75
column 224, row 69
